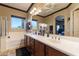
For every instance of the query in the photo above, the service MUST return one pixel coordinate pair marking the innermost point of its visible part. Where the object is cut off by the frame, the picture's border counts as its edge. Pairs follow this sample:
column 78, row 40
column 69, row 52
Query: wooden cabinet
column 53, row 52
column 25, row 40
column 39, row 48
column 30, row 45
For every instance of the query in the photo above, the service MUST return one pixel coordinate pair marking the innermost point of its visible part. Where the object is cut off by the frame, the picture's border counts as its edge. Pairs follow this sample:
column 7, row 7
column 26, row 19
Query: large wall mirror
column 59, row 22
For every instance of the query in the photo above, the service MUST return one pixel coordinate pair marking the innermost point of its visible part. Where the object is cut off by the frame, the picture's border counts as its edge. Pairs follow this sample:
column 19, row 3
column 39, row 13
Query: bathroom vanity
column 46, row 46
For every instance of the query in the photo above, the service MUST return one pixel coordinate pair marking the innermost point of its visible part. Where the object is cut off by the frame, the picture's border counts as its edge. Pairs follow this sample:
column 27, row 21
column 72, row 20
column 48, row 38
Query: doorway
column 59, row 25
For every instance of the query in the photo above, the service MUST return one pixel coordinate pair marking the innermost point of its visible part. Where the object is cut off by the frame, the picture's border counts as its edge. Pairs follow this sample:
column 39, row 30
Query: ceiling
column 22, row 6
column 46, row 11
column 54, row 8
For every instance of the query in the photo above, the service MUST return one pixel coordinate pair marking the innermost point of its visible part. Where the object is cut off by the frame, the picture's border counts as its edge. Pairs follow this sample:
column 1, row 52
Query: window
column 34, row 24
column 17, row 22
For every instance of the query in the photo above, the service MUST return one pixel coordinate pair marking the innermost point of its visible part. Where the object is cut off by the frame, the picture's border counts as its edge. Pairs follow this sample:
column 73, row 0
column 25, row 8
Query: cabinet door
column 29, row 41
column 31, row 45
column 25, row 40
column 39, row 48
column 53, row 52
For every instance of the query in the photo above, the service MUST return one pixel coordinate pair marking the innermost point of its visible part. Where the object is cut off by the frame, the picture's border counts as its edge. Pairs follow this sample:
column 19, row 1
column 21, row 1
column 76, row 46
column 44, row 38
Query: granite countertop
column 66, row 46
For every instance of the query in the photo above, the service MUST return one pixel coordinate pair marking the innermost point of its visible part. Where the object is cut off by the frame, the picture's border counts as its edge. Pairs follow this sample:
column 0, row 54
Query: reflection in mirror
column 59, row 25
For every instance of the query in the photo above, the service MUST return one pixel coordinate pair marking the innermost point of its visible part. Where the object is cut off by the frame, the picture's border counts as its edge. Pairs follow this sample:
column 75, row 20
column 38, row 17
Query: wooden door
column 39, row 48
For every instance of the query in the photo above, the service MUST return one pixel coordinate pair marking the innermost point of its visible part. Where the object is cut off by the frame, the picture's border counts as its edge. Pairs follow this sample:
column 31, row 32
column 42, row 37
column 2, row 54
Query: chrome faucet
column 56, row 38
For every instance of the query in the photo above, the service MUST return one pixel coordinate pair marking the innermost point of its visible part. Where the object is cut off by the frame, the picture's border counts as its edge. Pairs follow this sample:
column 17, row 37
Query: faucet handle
column 58, row 38
column 55, row 37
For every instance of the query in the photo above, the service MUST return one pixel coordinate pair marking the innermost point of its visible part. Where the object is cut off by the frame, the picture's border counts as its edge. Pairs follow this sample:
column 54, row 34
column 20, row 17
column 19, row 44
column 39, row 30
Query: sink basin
column 54, row 41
